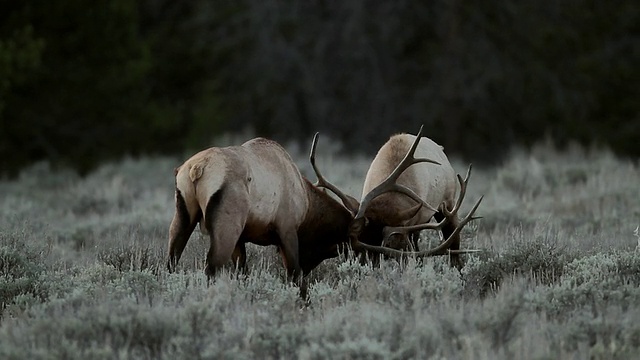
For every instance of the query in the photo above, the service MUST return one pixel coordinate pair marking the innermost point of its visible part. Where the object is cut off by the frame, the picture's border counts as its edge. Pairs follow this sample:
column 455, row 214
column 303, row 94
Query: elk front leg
column 290, row 254
column 414, row 238
column 291, row 259
column 239, row 256
column 447, row 229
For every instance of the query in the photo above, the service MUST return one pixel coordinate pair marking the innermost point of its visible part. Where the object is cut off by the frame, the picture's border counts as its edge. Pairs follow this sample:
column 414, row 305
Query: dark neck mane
column 326, row 225
column 326, row 215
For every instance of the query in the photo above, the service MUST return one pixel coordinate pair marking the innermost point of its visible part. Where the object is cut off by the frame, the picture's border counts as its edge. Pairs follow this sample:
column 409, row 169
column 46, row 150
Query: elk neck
column 323, row 229
column 327, row 220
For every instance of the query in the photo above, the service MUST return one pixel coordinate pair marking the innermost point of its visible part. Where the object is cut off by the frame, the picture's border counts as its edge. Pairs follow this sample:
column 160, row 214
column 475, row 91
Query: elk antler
column 389, row 184
column 442, row 249
column 463, row 192
column 350, row 203
column 405, row 230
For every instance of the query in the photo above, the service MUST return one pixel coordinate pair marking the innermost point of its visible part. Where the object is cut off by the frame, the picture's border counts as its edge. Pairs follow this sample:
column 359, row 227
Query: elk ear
column 352, row 205
column 175, row 171
column 409, row 213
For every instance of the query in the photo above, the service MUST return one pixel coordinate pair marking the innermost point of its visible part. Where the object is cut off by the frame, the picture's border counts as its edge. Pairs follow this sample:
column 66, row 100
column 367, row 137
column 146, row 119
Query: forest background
column 83, row 82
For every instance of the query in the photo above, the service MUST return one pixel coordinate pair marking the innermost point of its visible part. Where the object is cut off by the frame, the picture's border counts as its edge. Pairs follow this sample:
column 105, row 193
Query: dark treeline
column 83, row 81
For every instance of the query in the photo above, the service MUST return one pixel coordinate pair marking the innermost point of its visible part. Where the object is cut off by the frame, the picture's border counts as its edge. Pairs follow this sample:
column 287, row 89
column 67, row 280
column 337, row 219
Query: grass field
column 82, row 272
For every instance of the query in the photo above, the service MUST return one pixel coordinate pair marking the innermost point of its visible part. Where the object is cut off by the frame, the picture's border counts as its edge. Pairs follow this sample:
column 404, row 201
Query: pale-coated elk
column 402, row 193
column 255, row 193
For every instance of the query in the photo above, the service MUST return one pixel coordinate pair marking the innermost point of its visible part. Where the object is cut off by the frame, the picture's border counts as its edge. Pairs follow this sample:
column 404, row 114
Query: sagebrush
column 82, row 273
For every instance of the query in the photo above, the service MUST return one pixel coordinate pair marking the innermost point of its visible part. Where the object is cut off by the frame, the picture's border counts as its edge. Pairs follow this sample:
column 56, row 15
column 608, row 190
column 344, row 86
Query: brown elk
column 255, row 193
column 402, row 193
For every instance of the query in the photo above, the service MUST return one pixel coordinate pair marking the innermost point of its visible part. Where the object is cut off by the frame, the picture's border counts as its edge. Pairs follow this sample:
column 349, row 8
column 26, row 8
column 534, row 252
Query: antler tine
column 463, row 192
column 406, row 230
column 442, row 249
column 389, row 184
column 322, row 182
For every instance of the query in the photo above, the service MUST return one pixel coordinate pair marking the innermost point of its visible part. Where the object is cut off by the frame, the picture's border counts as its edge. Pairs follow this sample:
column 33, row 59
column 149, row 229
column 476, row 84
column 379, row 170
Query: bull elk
column 401, row 194
column 255, row 193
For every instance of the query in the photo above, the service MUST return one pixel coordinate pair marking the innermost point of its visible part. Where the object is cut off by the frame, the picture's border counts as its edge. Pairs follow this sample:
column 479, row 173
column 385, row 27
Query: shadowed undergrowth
column 82, row 273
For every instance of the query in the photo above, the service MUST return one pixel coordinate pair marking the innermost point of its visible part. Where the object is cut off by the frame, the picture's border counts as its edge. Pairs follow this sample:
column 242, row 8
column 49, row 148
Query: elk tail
column 195, row 172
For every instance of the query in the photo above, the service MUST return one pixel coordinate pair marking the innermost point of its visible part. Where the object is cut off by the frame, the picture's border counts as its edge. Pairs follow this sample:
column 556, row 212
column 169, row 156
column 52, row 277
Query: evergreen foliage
column 81, row 82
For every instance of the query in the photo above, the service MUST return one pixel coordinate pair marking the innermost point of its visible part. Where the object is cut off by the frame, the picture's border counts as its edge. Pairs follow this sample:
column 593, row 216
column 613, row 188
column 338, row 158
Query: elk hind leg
column 290, row 255
column 224, row 221
column 222, row 247
column 180, row 231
